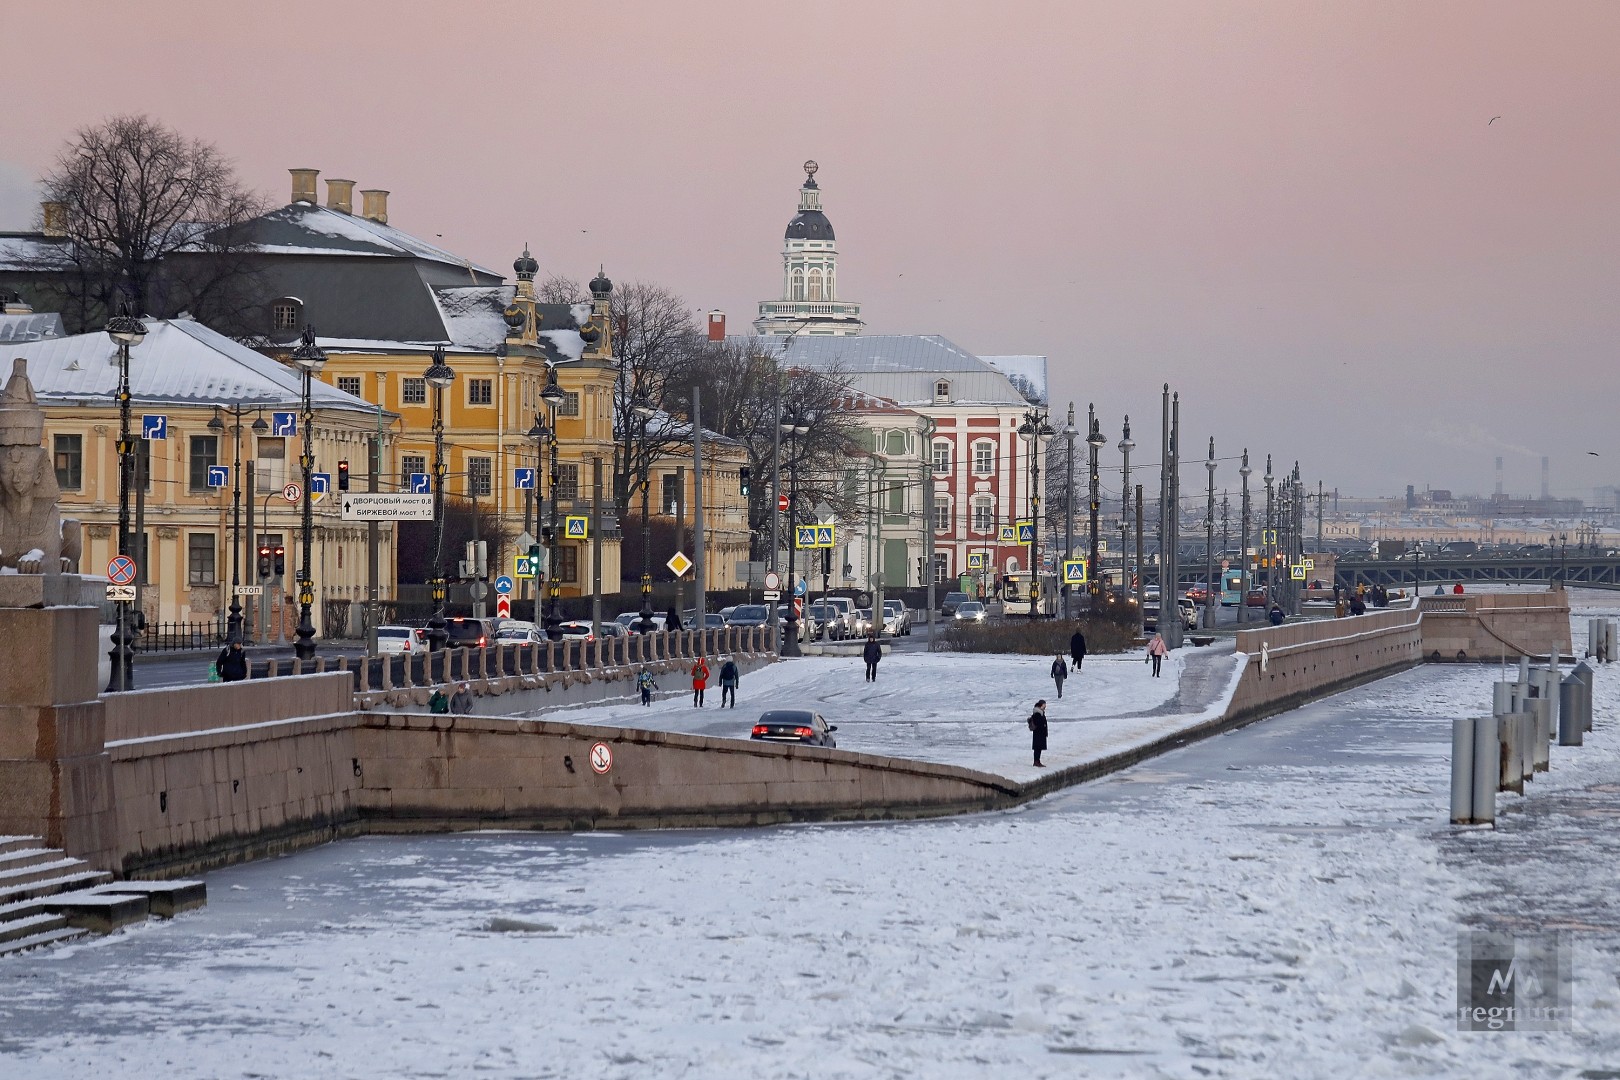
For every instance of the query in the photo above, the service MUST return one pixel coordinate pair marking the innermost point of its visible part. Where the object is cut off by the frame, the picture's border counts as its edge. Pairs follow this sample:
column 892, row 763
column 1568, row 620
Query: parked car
column 952, row 601
column 795, row 725
column 631, row 621
column 897, row 610
column 394, row 640
column 577, row 630
column 614, row 629
column 750, row 615
column 1189, row 613
column 470, row 633
column 517, row 632
column 845, row 608
column 970, row 611
column 830, row 620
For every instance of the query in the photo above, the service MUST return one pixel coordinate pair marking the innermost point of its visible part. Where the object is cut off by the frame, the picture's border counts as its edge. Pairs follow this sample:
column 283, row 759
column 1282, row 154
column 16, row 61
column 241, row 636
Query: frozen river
column 1283, row 901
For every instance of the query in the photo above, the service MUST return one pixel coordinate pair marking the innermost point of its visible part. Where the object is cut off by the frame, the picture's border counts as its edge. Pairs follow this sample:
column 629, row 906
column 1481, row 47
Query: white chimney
column 340, row 196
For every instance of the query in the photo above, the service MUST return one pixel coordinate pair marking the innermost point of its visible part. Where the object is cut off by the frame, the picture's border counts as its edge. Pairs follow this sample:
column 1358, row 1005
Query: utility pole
column 374, row 459
column 1211, row 594
column 680, row 541
column 928, row 515
column 1167, row 582
column 776, row 499
column 596, row 547
column 699, row 562
column 1141, row 578
column 1175, row 520
column 1243, row 542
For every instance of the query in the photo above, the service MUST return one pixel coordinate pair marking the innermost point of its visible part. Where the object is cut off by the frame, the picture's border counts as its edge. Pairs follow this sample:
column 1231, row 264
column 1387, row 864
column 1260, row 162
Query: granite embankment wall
column 1286, row 666
column 1491, row 627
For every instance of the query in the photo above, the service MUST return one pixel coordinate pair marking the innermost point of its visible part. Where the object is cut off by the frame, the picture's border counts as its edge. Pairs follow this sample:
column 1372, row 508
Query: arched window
column 815, row 284
column 798, row 285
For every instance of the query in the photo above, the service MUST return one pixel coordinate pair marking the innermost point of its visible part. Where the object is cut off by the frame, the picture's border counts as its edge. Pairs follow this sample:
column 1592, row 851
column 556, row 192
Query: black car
column 795, row 725
column 470, row 633
column 948, row 606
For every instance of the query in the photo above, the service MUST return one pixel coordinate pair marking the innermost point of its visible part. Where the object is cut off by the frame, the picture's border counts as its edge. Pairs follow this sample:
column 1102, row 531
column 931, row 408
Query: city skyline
column 1374, row 240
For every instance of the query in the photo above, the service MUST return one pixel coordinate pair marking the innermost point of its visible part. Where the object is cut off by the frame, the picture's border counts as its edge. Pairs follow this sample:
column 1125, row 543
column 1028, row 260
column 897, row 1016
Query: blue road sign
column 419, row 483
column 219, row 476
column 283, row 424
column 1074, row 571
column 1026, row 532
column 804, row 536
column 504, row 584
column 824, row 536
column 574, row 526
column 154, row 427
column 801, row 587
column 523, row 479
column 320, row 483
column 524, row 567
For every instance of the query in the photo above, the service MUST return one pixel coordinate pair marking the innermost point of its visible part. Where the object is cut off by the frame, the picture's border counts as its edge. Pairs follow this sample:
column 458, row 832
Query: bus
column 1231, row 588
column 1018, row 595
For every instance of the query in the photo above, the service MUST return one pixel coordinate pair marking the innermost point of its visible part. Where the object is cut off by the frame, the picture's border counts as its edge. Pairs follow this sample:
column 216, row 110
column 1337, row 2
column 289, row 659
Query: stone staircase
column 47, row 896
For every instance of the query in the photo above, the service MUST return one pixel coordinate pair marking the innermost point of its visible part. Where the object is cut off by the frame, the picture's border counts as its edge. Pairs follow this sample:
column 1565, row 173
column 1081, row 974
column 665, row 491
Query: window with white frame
column 984, row 514
column 984, row 457
column 942, row 390
column 479, row 477
column 942, row 566
column 413, row 391
column 349, row 384
column 942, row 513
column 942, row 457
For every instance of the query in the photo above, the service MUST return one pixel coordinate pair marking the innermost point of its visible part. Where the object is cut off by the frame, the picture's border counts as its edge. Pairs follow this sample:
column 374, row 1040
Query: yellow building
column 190, row 376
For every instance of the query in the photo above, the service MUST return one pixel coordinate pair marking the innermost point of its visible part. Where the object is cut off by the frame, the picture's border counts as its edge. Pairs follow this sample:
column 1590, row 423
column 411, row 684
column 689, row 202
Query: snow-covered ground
column 953, row 708
column 1282, row 901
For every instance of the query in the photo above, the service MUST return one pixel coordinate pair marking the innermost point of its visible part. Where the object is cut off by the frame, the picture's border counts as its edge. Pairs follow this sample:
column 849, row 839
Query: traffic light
column 546, row 532
column 264, row 563
column 281, row 561
column 745, row 473
column 343, row 475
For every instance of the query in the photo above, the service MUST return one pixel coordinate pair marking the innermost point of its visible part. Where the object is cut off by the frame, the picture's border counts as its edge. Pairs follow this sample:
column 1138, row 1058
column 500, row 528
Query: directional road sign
column 419, row 484
column 975, row 560
column 523, row 479
column 1074, row 572
column 576, row 526
column 679, row 564
column 121, row 570
column 386, row 506
column 801, row 587
column 503, row 606
column 1026, row 532
column 504, row 584
column 320, row 484
column 1008, row 534
column 292, row 493
column 283, row 424
column 219, row 476
column 772, row 594
column 601, row 758
column 154, row 426
column 123, row 593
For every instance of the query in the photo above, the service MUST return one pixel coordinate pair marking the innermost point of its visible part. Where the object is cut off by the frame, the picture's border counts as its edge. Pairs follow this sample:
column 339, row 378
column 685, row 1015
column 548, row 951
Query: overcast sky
column 1302, row 216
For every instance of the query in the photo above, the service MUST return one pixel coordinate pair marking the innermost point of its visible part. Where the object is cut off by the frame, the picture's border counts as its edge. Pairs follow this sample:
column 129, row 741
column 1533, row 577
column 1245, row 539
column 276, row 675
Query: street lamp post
column 310, row 359
column 126, row 331
column 1094, row 444
column 645, row 412
column 1268, row 539
column 1126, row 513
column 233, row 624
column 1243, row 543
column 439, row 375
column 1069, row 433
column 554, row 397
column 794, row 427
column 1211, row 599
column 1037, row 432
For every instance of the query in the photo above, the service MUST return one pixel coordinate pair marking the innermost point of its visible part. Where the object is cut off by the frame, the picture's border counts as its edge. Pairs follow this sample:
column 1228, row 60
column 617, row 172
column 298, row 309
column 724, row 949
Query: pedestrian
column 232, row 663
column 438, row 703
column 461, row 702
column 872, row 653
column 700, row 680
column 1060, row 671
column 1037, row 727
column 1077, row 649
column 1276, row 615
column 672, row 620
column 1338, row 608
column 1439, row 590
column 1357, row 607
column 1457, row 588
column 729, row 677
column 644, row 683
column 1155, row 652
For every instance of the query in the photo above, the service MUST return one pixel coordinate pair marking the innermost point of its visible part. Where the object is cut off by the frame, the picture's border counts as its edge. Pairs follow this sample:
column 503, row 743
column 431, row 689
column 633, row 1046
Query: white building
column 809, row 303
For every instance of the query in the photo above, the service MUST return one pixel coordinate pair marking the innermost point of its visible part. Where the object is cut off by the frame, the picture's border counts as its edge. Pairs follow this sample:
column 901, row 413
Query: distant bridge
column 1584, row 571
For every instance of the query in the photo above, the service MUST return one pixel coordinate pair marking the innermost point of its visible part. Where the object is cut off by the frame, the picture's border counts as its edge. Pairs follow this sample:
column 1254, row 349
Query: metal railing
column 179, row 637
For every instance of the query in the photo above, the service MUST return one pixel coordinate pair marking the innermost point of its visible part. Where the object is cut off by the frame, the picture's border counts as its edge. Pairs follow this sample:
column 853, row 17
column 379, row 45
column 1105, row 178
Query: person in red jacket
column 700, row 679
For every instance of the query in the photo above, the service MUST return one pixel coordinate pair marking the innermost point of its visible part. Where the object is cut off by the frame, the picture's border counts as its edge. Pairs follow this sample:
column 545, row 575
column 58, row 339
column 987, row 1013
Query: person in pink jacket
column 1156, row 650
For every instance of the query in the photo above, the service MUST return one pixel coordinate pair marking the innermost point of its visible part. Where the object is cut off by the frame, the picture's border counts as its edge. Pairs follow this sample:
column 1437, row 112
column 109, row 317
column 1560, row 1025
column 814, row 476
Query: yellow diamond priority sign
column 679, row 564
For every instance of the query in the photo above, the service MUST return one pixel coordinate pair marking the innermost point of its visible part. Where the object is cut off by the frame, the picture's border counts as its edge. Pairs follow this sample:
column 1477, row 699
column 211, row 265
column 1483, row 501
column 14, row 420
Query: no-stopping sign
column 601, row 758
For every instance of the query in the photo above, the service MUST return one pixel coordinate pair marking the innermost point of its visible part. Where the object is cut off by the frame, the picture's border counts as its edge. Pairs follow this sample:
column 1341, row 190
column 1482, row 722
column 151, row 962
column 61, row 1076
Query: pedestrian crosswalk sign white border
column 975, row 560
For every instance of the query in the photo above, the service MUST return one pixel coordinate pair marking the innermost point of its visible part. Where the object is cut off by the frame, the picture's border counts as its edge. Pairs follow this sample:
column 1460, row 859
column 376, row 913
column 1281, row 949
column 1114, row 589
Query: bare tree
column 655, row 337
column 153, row 218
column 559, row 289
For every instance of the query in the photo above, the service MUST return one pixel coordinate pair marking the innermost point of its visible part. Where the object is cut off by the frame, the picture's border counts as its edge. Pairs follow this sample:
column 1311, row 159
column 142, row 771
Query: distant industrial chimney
column 374, row 206
column 1546, row 474
column 1499, row 492
column 340, row 196
column 303, row 186
column 717, row 326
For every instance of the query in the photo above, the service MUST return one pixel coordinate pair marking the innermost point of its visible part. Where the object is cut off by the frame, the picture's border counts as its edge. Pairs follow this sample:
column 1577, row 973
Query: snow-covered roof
column 904, row 368
column 305, row 229
column 30, row 327
column 179, row 362
column 31, row 251
column 1028, row 373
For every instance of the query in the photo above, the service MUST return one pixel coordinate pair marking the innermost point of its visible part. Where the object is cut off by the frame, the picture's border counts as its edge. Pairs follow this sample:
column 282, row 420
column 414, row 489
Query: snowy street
column 1283, row 901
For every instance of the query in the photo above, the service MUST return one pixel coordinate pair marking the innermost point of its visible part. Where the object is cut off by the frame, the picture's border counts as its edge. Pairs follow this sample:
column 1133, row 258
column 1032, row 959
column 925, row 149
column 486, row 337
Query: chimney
column 304, row 185
column 1498, row 478
column 55, row 216
column 1546, row 488
column 374, row 205
column 340, row 196
column 717, row 326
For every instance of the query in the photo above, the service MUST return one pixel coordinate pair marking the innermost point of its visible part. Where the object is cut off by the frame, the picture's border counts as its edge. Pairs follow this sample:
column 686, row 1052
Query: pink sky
column 1297, row 214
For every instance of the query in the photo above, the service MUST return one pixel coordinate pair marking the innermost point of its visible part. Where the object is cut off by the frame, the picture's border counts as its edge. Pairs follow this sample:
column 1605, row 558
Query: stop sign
column 782, row 503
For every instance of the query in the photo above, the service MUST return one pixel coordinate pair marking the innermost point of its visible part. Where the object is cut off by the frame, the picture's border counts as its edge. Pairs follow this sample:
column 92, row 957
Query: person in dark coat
column 672, row 620
column 872, row 653
column 1037, row 727
column 729, row 677
column 1060, row 671
column 232, row 663
column 438, row 702
column 1077, row 649
column 461, row 702
column 1276, row 616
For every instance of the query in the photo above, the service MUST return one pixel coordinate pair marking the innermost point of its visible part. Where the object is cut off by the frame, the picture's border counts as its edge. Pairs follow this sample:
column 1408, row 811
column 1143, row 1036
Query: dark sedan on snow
column 796, row 726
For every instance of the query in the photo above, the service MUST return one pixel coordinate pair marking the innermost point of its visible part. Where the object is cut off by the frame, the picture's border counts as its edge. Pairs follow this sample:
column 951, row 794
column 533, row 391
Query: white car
column 631, row 621
column 897, row 616
column 518, row 632
column 576, row 631
column 398, row 641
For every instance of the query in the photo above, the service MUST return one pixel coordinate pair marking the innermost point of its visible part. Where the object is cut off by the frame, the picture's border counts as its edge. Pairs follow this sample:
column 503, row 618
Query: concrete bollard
column 1462, row 771
column 1541, row 713
column 1609, row 647
column 1511, row 738
column 1486, row 756
column 1571, row 724
column 1527, row 744
column 1502, row 698
column 1524, row 671
column 1583, row 671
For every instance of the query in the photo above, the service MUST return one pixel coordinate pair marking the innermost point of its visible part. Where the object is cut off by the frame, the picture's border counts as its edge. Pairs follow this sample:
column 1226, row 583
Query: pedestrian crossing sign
column 814, row 536
column 523, row 567
column 576, row 526
column 1026, row 532
column 975, row 560
column 1074, row 572
column 1310, row 564
column 1009, row 534
column 1297, row 571
column 824, row 536
column 1268, row 536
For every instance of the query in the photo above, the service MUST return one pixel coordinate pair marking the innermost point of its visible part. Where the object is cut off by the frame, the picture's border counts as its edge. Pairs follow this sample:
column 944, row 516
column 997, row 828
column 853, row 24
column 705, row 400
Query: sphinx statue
column 34, row 537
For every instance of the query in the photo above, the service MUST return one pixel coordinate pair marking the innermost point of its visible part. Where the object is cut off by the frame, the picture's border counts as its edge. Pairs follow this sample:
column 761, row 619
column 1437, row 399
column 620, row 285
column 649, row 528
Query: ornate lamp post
column 1127, row 513
column 1069, row 433
column 1094, row 443
column 1268, row 541
column 1036, row 432
column 645, row 411
column 553, row 396
column 310, row 359
column 794, row 428
column 535, row 508
column 1243, row 543
column 439, row 375
column 233, row 624
column 127, row 332
column 1211, row 596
